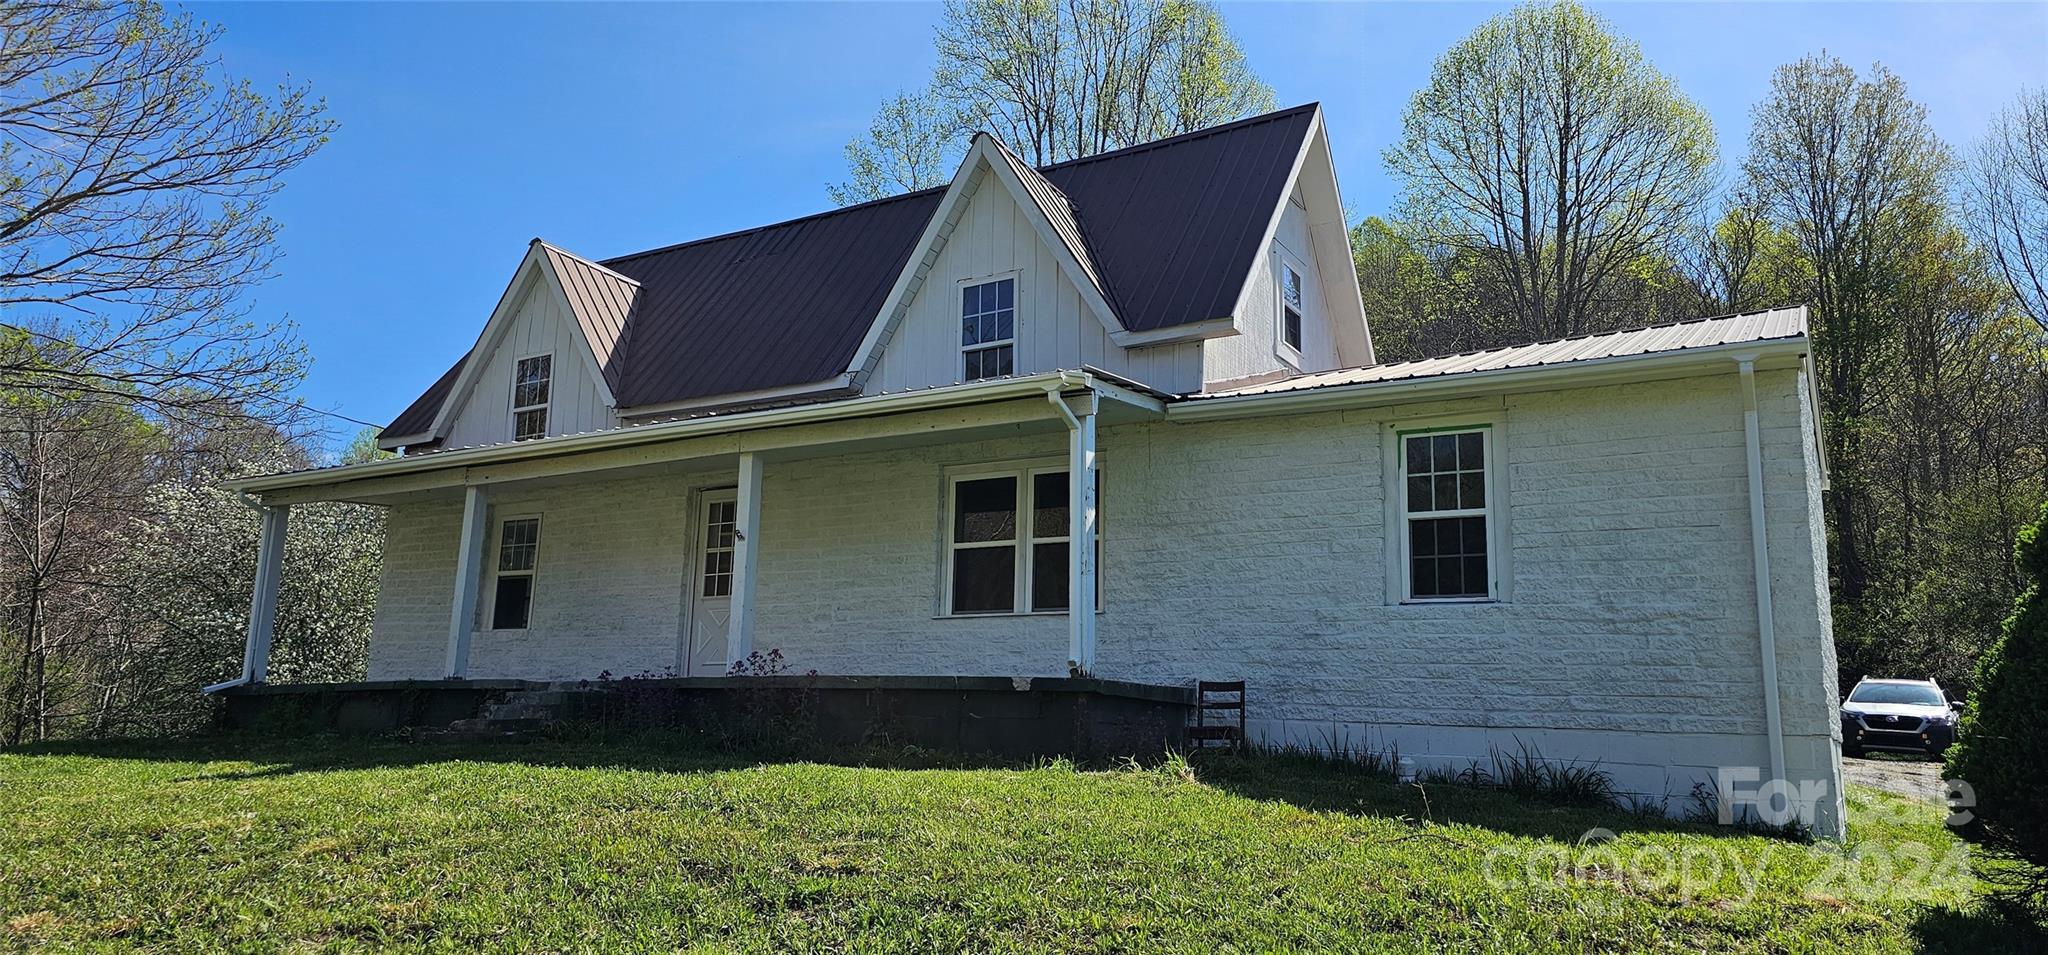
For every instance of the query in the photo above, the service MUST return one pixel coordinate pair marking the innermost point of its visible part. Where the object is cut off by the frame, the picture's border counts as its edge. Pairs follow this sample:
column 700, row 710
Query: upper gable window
column 1290, row 308
column 530, row 381
column 988, row 329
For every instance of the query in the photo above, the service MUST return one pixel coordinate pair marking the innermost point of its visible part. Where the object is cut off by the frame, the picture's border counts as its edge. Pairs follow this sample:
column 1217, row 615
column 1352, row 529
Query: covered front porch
column 693, row 547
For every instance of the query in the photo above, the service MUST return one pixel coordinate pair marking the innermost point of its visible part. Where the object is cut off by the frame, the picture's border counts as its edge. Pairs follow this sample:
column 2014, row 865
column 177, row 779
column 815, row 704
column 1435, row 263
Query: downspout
column 247, row 675
column 1760, row 552
column 1080, row 474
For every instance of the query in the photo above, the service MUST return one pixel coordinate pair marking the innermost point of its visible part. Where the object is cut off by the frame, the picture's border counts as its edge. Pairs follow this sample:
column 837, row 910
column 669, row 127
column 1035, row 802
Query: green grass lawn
column 329, row 845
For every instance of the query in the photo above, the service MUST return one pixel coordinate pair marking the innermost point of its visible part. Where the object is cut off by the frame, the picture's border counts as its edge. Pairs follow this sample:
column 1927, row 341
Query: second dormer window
column 988, row 329
column 530, row 380
column 1290, row 308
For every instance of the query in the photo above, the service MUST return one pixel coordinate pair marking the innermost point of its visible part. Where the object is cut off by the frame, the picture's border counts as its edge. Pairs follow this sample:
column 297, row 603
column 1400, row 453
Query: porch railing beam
column 469, row 558
column 739, row 634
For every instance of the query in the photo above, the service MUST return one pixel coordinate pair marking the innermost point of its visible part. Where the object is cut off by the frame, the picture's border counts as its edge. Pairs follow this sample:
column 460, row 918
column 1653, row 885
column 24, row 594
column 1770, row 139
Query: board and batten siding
column 1255, row 349
column 1055, row 329
column 541, row 325
column 1255, row 549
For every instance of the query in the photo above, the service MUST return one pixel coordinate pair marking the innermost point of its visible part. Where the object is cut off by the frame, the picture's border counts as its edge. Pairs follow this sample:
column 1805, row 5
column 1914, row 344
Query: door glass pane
column 716, row 565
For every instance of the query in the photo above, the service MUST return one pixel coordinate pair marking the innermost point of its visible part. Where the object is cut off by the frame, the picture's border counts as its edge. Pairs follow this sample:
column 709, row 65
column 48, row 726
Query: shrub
column 2003, row 741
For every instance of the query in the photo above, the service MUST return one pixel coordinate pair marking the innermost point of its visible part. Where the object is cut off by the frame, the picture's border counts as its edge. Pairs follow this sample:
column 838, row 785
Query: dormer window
column 1290, row 309
column 530, row 380
column 988, row 329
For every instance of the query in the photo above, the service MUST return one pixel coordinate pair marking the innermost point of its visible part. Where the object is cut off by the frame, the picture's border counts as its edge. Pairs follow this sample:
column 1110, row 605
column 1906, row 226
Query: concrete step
column 537, row 697
column 518, row 711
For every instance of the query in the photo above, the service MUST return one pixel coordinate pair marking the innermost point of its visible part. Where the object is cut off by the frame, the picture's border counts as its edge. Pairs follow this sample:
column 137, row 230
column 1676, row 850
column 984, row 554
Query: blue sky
column 467, row 129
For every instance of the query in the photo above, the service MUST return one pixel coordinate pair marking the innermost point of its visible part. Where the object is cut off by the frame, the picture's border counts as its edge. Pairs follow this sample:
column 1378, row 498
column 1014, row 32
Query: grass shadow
column 1321, row 784
column 1312, row 783
column 1984, row 926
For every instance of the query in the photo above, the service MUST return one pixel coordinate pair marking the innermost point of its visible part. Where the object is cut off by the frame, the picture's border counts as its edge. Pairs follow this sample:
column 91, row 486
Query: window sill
column 1011, row 615
column 1452, row 601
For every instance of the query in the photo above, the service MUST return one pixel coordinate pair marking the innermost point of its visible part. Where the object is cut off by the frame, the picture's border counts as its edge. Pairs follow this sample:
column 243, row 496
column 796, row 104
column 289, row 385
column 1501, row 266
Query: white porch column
column 1081, row 535
column 739, row 634
column 263, row 601
column 469, row 556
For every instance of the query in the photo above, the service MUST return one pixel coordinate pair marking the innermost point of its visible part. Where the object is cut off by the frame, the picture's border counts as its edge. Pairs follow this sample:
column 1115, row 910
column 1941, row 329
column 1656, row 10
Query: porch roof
column 925, row 416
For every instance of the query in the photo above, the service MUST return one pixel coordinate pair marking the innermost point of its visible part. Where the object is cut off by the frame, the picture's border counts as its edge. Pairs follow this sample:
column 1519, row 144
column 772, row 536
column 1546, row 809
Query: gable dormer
column 1161, row 263
column 546, row 364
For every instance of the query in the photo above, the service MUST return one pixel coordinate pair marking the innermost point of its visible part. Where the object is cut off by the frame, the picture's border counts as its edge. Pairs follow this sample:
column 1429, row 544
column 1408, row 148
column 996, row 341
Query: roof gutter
column 1368, row 393
column 1032, row 387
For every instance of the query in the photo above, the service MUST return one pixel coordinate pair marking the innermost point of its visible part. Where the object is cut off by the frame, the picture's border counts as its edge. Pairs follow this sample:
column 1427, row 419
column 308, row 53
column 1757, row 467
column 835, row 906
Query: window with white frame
column 531, row 378
column 1447, row 506
column 1290, row 308
column 997, row 563
column 512, row 593
column 988, row 329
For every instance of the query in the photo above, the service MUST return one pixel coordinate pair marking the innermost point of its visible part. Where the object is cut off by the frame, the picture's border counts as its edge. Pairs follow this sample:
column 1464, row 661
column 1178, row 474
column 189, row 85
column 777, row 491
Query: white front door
column 712, row 594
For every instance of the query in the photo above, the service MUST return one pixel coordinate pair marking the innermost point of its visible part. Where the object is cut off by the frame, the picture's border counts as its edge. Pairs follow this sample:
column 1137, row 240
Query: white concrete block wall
column 1255, row 549
column 608, row 595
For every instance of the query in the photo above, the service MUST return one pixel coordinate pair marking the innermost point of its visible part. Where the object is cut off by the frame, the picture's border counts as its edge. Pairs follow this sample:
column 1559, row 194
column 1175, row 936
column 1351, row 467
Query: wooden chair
column 1219, row 714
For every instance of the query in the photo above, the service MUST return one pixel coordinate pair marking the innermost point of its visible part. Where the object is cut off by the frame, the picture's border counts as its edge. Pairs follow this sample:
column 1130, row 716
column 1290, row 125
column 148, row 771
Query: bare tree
column 1549, row 149
column 1741, row 260
column 1057, row 79
column 2007, row 197
column 133, row 182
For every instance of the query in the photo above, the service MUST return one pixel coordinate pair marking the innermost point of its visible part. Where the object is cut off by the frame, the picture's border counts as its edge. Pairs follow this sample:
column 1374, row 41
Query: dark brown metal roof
column 1173, row 227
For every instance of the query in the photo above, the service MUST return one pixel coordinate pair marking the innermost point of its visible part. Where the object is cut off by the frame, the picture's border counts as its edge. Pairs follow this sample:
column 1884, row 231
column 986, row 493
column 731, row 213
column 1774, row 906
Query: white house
column 901, row 437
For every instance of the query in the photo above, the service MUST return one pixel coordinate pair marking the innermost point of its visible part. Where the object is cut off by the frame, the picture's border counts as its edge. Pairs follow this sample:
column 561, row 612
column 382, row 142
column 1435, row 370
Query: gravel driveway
column 1918, row 778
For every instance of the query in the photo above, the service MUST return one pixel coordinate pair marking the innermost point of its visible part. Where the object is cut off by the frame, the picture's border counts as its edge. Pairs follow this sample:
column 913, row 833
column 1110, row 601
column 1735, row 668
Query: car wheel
column 1852, row 751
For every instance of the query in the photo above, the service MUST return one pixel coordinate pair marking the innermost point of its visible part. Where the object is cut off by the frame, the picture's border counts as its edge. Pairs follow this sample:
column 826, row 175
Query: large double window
column 1007, row 542
column 1446, row 507
column 988, row 329
column 532, row 379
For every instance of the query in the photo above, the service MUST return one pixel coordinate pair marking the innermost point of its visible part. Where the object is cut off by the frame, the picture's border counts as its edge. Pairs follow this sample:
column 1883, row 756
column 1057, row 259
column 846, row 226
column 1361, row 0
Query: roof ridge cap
column 1190, row 135
column 736, row 233
column 586, row 260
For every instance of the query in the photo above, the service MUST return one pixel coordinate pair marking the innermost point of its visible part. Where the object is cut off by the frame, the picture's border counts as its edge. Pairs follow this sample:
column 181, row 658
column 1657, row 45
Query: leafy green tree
column 1848, row 166
column 1549, row 151
column 2004, row 733
column 1742, row 261
column 1418, row 298
column 912, row 144
column 1056, row 80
